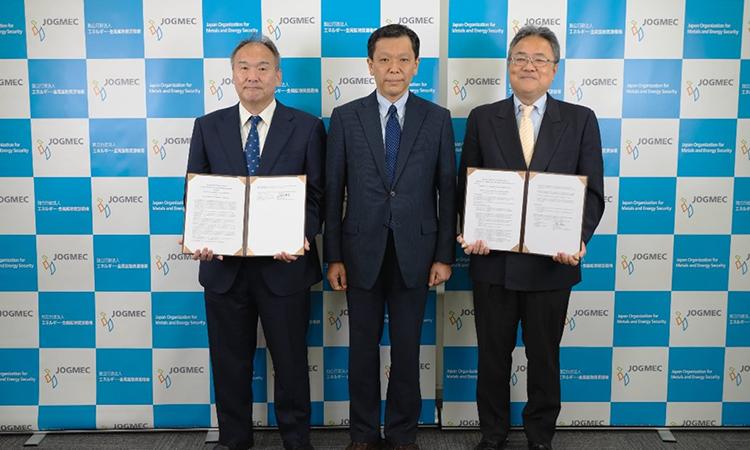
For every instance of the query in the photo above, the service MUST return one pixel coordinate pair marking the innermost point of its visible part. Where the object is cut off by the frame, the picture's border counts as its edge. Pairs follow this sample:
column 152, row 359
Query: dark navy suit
column 239, row 290
column 388, row 238
column 534, row 289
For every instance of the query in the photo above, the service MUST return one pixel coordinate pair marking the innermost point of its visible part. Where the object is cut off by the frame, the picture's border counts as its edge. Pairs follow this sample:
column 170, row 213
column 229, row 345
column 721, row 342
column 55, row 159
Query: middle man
column 391, row 156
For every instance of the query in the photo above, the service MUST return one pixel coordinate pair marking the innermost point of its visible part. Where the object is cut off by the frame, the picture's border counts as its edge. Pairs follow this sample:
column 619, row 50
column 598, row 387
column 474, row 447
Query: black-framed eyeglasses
column 537, row 61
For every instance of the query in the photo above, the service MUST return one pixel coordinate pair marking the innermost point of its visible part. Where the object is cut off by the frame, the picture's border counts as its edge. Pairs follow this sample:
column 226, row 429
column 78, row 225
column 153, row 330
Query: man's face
column 255, row 75
column 529, row 82
column 393, row 65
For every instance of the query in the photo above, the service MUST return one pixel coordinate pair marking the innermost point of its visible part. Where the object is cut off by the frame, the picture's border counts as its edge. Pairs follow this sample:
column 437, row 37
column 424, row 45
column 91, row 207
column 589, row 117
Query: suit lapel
column 415, row 114
column 369, row 117
column 549, row 136
column 282, row 125
column 506, row 134
column 229, row 134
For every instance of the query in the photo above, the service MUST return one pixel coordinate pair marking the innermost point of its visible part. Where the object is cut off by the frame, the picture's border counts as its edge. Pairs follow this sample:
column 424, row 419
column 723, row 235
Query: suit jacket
column 419, row 206
column 568, row 143
column 294, row 145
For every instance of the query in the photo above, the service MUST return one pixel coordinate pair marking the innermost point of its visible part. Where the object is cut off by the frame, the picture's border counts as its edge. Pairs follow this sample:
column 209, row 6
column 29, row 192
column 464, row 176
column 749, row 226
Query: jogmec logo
column 162, row 266
column 48, row 265
column 103, row 208
column 457, row 319
column 155, row 30
column 106, row 322
column 520, row 369
column 745, row 148
column 217, row 89
column 622, row 376
column 43, row 149
column 636, row 30
column 740, row 264
column 632, row 150
column 459, row 91
column 627, row 265
column 164, row 379
column 50, row 379
column 274, row 27
column 680, row 321
column 334, row 320
column 688, row 206
column 38, row 31
column 575, row 90
column 735, row 376
column 693, row 91
column 99, row 91
column 333, row 90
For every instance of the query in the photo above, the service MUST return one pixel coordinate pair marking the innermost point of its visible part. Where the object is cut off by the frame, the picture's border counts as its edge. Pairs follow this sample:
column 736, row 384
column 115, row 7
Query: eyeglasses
column 537, row 61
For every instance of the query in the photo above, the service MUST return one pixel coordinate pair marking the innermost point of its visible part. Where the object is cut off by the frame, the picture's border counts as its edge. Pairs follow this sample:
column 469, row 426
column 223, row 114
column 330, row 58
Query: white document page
column 276, row 216
column 493, row 209
column 554, row 213
column 214, row 214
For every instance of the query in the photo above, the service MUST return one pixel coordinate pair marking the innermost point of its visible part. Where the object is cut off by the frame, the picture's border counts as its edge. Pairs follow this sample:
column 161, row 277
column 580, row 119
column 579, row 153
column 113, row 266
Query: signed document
column 244, row 216
column 528, row 212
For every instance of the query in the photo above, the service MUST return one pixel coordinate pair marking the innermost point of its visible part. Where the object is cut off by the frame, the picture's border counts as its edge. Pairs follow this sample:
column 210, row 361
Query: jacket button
column 393, row 193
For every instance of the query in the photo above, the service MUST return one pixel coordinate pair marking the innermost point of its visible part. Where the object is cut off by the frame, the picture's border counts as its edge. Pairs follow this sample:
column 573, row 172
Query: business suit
column 534, row 289
column 390, row 236
column 238, row 290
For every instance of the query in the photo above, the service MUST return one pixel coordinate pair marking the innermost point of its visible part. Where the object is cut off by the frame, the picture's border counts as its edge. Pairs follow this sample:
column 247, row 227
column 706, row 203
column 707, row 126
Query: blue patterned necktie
column 252, row 147
column 392, row 141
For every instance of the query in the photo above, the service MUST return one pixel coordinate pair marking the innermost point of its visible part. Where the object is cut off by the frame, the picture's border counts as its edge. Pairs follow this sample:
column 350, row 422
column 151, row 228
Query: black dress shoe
column 539, row 446
column 486, row 444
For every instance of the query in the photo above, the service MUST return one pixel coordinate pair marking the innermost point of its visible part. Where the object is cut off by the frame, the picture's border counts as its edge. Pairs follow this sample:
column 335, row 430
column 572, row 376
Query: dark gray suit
column 388, row 239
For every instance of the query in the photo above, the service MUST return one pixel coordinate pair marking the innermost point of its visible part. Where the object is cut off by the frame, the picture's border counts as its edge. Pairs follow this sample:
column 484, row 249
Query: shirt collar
column 539, row 105
column 266, row 115
column 384, row 104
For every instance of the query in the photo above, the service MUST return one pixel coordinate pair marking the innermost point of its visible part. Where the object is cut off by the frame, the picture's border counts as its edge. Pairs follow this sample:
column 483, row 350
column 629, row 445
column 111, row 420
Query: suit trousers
column 232, row 333
column 542, row 315
column 405, row 314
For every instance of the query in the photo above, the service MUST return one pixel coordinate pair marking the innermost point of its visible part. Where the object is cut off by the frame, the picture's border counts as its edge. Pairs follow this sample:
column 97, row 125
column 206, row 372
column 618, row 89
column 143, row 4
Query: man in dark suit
column 393, row 154
column 528, row 131
column 277, row 140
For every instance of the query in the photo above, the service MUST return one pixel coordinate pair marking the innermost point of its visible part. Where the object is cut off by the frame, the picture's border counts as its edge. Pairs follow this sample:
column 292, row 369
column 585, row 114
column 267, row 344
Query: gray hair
column 542, row 32
column 258, row 40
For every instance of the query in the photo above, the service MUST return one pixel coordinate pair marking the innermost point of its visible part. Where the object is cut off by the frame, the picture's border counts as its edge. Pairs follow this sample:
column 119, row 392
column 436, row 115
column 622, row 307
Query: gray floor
column 428, row 439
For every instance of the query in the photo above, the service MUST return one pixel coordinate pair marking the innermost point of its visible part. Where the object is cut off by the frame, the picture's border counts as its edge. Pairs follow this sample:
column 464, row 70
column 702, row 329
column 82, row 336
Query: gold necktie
column 526, row 132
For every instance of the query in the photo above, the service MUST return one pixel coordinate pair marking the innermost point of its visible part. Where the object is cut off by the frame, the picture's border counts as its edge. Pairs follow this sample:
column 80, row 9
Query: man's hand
column 286, row 257
column 571, row 260
column 203, row 255
column 439, row 272
column 476, row 248
column 337, row 276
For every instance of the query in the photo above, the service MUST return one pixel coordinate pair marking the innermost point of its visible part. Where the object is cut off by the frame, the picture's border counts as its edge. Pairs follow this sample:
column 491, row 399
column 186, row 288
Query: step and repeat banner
column 102, row 321
column 658, row 332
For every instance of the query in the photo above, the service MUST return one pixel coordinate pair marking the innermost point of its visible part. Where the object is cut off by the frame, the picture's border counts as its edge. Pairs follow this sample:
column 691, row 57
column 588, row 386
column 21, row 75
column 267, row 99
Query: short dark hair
column 393, row 30
column 542, row 32
column 258, row 40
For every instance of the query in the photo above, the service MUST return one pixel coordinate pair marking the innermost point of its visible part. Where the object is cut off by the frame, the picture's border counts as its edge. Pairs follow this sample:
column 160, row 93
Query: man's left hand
column 439, row 272
column 571, row 260
column 286, row 257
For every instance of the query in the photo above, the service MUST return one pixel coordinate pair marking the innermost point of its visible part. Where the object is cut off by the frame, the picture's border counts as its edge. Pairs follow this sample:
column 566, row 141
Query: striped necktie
column 526, row 132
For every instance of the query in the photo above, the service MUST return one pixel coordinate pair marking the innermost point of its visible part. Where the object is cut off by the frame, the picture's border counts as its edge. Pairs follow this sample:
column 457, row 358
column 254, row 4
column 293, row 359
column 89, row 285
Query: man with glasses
column 528, row 131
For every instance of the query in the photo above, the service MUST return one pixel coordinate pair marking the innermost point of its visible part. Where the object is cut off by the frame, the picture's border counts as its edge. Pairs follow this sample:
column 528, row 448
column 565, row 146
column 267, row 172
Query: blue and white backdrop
column 102, row 323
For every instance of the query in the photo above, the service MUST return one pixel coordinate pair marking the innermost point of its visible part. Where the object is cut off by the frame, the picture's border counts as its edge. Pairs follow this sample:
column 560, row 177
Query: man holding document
column 538, row 140
column 259, row 137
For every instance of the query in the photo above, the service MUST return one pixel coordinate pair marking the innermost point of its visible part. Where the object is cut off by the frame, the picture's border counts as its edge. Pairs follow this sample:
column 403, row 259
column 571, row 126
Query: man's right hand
column 203, row 255
column 337, row 276
column 476, row 248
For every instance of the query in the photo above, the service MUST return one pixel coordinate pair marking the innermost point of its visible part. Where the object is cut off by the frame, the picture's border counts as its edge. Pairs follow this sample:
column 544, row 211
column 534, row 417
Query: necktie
column 252, row 147
column 526, row 132
column 392, row 141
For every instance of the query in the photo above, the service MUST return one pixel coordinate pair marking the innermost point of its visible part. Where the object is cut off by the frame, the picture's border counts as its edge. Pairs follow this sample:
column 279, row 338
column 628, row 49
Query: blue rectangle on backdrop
column 166, row 209
column 301, row 84
column 646, row 205
column 701, row 263
column 174, row 87
column 121, row 263
column 425, row 82
column 585, row 374
column 477, row 30
column 13, row 41
column 346, row 27
column 315, row 327
column 182, row 416
column 652, row 88
column 188, row 330
column 118, row 147
column 695, row 374
column 19, row 271
column 738, row 319
column 20, row 382
column 596, row 29
column 57, row 88
column 712, row 29
column 598, row 266
column 641, row 319
column 63, row 205
column 67, row 417
column 741, row 207
column 66, row 320
column 114, row 29
column 638, row 414
column 336, row 373
column 460, row 374
column 226, row 23
column 16, row 159
column 743, row 111
column 611, row 130
column 123, row 377
column 706, row 147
